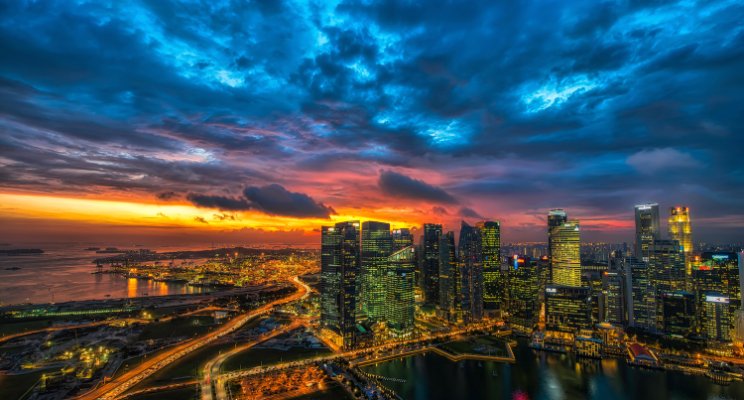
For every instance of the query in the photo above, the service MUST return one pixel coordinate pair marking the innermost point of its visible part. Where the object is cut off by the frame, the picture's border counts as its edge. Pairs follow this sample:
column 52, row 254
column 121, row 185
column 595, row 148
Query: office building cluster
column 376, row 283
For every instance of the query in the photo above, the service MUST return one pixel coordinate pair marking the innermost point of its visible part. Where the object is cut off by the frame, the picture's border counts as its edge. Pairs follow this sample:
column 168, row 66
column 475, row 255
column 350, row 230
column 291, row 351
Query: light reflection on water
column 63, row 273
column 541, row 376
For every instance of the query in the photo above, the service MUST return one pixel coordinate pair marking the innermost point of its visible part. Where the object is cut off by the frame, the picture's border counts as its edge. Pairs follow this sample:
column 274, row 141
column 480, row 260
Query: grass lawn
column 10, row 328
column 254, row 357
column 185, row 326
column 496, row 347
column 14, row 386
column 188, row 393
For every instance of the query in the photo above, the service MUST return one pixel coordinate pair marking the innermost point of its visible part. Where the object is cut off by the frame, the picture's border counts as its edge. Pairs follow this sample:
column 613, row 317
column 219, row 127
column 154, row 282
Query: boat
column 12, row 268
column 92, row 248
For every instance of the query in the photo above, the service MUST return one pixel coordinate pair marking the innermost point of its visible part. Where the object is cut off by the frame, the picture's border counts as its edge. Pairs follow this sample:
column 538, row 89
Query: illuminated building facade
column 399, row 282
column 449, row 278
column 494, row 281
column 676, row 310
column 376, row 248
column 471, row 271
column 340, row 266
column 681, row 231
column 524, row 293
column 613, row 295
column 556, row 217
column 402, row 238
column 567, row 308
column 667, row 265
column 639, row 294
column 646, row 229
column 430, row 263
column 565, row 253
column 715, row 275
column 718, row 322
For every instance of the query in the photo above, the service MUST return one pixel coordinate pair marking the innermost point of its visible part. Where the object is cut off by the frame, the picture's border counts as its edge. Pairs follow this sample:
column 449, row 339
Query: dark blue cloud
column 601, row 105
column 399, row 185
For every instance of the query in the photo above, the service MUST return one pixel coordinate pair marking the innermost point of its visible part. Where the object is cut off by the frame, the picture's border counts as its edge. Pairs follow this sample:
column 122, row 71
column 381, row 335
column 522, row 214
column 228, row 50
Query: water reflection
column 542, row 376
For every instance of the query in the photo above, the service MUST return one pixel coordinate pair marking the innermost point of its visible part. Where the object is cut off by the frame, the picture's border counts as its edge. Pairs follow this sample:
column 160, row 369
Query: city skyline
column 229, row 124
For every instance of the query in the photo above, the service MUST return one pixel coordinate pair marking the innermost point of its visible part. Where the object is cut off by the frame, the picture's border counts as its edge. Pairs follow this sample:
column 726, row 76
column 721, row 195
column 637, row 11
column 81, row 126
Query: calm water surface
column 63, row 273
column 544, row 376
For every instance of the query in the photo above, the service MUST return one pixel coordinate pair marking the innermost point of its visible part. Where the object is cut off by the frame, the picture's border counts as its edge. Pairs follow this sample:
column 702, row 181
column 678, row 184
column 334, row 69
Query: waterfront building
column 567, row 308
column 524, row 293
column 565, row 253
column 376, row 247
column 681, row 231
column 718, row 318
column 340, row 266
column 494, row 281
column 430, row 263
column 646, row 229
column 471, row 271
column 676, row 310
column 716, row 275
column 449, row 279
column 399, row 283
column 402, row 238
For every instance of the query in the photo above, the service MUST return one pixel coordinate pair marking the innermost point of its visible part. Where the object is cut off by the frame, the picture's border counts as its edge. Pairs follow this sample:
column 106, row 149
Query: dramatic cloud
column 508, row 108
column 398, row 185
column 219, row 202
column 275, row 199
column 271, row 199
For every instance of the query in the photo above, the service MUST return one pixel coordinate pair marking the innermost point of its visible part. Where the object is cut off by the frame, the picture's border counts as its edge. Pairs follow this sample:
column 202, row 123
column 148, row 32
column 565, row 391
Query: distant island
column 18, row 252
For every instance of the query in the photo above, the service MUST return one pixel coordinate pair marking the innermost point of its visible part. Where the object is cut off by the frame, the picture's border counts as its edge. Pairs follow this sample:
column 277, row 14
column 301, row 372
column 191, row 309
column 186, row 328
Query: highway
column 115, row 387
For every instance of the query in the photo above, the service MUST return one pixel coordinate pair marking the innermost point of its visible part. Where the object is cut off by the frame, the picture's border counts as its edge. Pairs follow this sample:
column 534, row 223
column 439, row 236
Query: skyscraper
column 494, row 282
column 565, row 253
column 667, row 265
column 402, row 238
column 639, row 294
column 524, row 293
column 471, row 271
column 330, row 277
column 340, row 265
column 680, row 230
column 399, row 283
column 377, row 246
column 556, row 217
column 448, row 277
column 647, row 229
column 430, row 263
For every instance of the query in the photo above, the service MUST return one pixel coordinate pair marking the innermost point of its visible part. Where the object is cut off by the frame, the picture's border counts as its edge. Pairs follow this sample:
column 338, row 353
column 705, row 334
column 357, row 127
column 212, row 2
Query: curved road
column 116, row 387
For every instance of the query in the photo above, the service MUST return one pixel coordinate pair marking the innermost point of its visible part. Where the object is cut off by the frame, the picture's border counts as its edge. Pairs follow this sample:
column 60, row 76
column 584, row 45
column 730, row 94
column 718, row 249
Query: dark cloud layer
column 515, row 107
column 272, row 199
column 399, row 185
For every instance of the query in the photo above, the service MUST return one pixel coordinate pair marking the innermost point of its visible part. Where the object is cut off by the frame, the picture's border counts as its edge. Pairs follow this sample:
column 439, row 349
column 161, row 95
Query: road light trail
column 116, row 387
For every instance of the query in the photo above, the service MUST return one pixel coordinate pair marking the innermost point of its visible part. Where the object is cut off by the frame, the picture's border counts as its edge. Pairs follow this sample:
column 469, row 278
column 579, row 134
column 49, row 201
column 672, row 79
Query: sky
column 260, row 121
